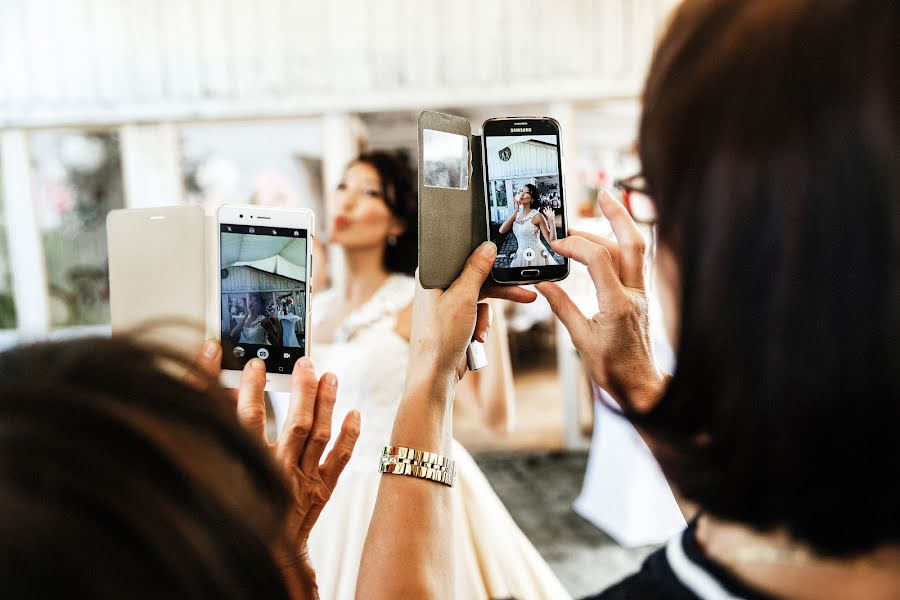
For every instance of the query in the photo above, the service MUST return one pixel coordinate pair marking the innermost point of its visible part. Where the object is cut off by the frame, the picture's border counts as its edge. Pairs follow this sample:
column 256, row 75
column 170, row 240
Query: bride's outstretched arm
column 490, row 392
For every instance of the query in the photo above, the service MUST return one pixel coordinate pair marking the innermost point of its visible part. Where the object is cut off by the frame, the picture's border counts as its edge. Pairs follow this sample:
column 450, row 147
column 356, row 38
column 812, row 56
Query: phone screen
column 525, row 199
column 263, row 294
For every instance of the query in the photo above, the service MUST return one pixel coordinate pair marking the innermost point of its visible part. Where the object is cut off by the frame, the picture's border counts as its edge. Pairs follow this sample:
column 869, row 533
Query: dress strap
column 395, row 294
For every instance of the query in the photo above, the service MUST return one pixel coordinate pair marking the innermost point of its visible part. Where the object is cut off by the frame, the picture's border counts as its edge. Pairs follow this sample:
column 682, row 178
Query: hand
column 297, row 450
column 615, row 342
column 444, row 321
column 550, row 216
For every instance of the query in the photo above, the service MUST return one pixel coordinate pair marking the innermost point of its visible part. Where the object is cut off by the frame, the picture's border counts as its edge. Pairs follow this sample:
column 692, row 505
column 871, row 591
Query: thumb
column 564, row 308
column 475, row 272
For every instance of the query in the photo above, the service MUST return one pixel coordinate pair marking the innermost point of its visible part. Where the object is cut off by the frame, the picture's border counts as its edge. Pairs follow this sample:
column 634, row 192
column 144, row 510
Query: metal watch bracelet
column 399, row 460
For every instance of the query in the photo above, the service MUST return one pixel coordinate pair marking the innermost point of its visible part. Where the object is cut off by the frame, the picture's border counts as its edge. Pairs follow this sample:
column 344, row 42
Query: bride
column 527, row 224
column 361, row 333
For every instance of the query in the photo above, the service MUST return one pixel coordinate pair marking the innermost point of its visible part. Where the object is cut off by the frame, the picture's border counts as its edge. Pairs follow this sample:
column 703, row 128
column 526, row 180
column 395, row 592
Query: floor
column 538, row 480
column 538, row 488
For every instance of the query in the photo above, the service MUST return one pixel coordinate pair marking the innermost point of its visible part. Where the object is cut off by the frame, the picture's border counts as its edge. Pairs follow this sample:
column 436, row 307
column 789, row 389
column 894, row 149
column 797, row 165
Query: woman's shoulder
column 399, row 291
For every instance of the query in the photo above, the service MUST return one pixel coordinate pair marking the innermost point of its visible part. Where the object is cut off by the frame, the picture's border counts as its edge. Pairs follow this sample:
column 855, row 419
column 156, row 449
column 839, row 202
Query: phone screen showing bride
column 525, row 198
column 263, row 294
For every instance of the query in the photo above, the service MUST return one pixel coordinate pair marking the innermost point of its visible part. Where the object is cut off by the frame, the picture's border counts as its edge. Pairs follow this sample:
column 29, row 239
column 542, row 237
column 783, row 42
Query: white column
column 570, row 368
column 26, row 252
column 342, row 137
column 151, row 165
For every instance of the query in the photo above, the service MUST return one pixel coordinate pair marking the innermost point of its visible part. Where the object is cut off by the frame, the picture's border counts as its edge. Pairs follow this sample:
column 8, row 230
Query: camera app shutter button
column 528, row 254
column 262, row 353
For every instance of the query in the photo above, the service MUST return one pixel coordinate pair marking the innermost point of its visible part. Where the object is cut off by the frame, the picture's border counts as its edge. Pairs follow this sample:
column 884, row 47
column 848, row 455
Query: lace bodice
column 528, row 235
column 253, row 332
column 370, row 360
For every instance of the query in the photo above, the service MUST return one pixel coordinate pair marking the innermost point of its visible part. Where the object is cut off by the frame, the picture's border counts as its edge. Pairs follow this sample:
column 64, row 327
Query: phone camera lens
column 242, row 216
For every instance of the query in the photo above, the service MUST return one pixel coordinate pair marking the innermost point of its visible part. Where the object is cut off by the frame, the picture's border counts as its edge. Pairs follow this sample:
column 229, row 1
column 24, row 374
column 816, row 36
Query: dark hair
column 769, row 141
column 398, row 188
column 261, row 300
column 126, row 482
column 536, row 201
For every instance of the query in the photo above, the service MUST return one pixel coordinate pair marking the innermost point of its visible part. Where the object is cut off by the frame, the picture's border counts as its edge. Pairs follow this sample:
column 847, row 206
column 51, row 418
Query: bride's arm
column 541, row 221
column 490, row 392
column 507, row 224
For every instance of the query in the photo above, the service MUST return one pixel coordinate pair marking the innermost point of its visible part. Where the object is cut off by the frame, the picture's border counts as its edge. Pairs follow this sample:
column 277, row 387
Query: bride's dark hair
column 398, row 188
column 536, row 201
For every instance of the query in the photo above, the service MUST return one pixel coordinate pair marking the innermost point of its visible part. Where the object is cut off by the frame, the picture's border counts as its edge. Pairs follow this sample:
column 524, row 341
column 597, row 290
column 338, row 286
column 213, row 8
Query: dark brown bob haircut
column 118, row 480
column 769, row 140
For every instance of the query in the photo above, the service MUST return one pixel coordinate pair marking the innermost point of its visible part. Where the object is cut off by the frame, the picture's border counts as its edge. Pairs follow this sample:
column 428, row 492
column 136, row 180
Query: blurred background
column 107, row 104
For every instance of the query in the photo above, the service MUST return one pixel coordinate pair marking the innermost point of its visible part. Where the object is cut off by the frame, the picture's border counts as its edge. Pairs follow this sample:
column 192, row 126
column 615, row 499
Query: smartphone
column 157, row 264
column 265, row 264
column 524, row 198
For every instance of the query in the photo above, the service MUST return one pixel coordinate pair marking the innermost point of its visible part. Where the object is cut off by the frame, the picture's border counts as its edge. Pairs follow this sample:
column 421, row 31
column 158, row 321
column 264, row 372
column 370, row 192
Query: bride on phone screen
column 529, row 219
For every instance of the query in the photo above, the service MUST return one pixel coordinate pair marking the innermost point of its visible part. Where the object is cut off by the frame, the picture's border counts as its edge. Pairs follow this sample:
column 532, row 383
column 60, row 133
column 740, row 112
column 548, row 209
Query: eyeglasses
column 637, row 201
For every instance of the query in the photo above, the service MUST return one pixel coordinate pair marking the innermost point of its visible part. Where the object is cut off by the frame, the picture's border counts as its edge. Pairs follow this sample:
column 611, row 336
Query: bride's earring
column 392, row 240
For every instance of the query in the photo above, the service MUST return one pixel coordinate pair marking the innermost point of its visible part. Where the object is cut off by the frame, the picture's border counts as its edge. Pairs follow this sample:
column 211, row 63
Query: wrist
column 424, row 417
column 647, row 391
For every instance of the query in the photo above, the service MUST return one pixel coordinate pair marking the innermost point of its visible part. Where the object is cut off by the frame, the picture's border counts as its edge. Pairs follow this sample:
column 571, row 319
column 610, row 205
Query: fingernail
column 488, row 249
column 305, row 363
column 209, row 349
column 257, row 363
column 330, row 379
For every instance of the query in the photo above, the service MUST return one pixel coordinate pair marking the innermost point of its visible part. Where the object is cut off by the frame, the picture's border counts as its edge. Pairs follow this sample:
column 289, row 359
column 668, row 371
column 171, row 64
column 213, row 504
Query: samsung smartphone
column 524, row 198
column 265, row 262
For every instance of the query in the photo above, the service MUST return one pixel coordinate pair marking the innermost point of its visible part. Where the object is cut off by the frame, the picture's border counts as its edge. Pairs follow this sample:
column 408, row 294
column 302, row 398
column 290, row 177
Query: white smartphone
column 265, row 262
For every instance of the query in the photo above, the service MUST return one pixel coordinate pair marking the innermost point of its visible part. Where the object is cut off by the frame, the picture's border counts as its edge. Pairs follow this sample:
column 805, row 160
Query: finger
column 507, row 292
column 631, row 243
column 251, row 404
column 301, row 411
column 475, row 272
column 321, row 429
column 595, row 257
column 339, row 456
column 611, row 246
column 564, row 308
column 206, row 366
column 483, row 322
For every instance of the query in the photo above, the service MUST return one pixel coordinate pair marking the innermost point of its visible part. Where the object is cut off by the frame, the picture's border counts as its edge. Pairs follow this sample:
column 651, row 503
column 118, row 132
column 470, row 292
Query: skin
column 361, row 228
column 298, row 451
column 522, row 204
column 615, row 347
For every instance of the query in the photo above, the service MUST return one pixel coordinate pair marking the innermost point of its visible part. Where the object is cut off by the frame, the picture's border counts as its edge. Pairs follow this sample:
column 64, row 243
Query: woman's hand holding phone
column 297, row 450
column 615, row 342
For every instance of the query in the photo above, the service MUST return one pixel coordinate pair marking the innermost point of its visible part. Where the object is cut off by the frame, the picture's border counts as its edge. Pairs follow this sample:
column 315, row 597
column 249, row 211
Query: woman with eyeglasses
column 768, row 142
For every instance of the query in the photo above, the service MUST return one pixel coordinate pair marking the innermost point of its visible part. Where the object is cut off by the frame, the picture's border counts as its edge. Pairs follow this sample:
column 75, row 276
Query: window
column 7, row 305
column 78, row 181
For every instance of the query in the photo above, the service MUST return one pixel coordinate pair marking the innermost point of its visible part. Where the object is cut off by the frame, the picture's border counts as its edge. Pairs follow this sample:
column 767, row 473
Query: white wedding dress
column 494, row 559
column 528, row 235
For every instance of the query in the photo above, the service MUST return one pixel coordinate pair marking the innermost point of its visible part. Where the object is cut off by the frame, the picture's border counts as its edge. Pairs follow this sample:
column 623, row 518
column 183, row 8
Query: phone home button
column 528, row 273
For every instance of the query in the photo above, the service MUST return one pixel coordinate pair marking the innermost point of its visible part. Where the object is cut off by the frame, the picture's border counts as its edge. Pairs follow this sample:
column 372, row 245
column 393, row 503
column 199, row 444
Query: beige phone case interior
column 159, row 276
column 452, row 222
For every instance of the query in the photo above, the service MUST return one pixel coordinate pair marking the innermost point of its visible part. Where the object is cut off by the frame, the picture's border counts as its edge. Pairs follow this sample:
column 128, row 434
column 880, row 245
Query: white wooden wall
column 527, row 159
column 77, row 62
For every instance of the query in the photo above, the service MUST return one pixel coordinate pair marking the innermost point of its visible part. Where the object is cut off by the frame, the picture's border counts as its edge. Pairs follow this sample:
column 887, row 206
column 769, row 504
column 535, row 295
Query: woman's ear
column 397, row 228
